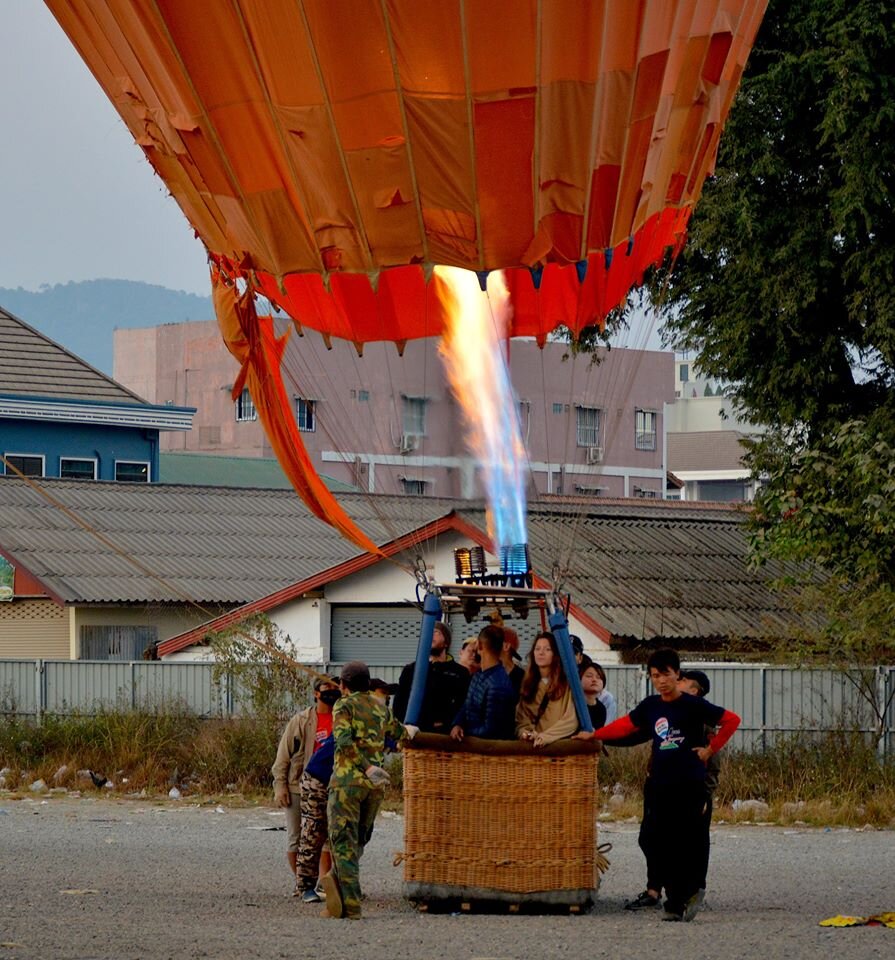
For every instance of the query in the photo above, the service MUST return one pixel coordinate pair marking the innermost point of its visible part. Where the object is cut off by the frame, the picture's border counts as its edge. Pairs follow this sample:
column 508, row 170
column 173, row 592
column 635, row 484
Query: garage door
column 388, row 633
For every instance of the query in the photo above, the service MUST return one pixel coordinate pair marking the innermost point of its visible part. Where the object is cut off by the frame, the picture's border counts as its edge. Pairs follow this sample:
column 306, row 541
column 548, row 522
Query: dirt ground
column 103, row 878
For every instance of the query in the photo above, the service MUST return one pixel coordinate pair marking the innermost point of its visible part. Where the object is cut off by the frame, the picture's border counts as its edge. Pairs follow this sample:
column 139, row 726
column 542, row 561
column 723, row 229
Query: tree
column 786, row 291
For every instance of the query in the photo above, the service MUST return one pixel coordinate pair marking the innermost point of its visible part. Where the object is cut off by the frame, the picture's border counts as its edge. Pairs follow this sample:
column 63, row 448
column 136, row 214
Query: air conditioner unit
column 409, row 442
column 594, row 455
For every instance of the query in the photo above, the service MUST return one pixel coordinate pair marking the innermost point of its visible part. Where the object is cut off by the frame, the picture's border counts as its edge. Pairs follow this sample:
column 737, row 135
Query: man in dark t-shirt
column 446, row 685
column 675, row 794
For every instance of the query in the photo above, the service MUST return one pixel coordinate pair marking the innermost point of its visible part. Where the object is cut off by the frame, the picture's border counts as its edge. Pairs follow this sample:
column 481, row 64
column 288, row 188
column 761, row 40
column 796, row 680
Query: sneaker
column 310, row 896
column 334, row 906
column 320, row 891
column 672, row 915
column 645, row 899
column 691, row 908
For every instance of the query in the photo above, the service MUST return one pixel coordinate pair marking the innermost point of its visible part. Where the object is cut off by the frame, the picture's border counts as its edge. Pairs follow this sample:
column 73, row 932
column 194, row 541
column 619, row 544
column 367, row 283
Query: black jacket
column 446, row 686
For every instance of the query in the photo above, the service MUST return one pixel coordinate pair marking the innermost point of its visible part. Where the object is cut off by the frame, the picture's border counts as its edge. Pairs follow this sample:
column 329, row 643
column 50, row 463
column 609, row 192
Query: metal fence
column 772, row 701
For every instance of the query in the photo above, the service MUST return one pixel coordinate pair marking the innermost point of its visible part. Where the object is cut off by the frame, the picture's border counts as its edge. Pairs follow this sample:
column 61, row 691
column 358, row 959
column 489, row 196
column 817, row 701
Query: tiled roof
column 705, row 450
column 32, row 365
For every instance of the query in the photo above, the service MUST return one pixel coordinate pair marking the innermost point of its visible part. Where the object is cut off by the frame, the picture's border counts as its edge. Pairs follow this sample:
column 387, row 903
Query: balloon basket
column 498, row 822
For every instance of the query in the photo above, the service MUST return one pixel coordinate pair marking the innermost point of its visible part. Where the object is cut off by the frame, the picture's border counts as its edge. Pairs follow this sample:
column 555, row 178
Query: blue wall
column 104, row 443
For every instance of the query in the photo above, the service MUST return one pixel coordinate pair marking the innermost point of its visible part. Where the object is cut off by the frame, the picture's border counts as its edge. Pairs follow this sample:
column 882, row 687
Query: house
column 102, row 570
column 388, row 423
column 637, row 573
column 59, row 417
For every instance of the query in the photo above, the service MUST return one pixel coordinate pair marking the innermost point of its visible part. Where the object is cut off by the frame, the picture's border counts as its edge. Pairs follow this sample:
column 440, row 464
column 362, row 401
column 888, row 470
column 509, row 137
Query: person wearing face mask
column 303, row 797
column 446, row 686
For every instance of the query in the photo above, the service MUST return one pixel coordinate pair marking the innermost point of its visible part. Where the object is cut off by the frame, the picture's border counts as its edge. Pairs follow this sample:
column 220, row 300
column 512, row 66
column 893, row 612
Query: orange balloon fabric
column 254, row 345
column 334, row 150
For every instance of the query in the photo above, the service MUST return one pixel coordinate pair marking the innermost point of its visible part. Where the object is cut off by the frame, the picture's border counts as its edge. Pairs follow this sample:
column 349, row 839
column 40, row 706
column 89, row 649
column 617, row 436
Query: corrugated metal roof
column 662, row 570
column 205, row 544
column 33, row 365
column 642, row 569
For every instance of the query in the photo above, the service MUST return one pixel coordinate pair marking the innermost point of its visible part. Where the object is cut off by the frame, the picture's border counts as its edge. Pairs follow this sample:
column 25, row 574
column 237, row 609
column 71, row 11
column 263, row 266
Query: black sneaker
column 645, row 899
column 672, row 915
column 691, row 907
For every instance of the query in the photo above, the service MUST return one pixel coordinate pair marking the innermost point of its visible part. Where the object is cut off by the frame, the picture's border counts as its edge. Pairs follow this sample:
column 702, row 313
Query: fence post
column 133, row 685
column 764, row 709
column 882, row 676
column 39, row 689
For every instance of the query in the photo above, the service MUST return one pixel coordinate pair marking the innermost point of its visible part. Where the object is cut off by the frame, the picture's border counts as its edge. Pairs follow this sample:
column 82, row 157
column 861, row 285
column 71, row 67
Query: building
column 638, row 574
column 105, row 570
column 59, row 417
column 388, row 423
column 704, row 438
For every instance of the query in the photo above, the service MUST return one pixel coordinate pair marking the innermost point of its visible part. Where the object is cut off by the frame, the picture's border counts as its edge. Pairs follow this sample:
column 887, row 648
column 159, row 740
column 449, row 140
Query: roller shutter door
column 387, row 634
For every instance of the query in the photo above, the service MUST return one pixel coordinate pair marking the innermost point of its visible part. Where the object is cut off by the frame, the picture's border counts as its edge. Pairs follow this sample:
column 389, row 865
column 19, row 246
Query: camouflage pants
column 351, row 812
column 313, row 829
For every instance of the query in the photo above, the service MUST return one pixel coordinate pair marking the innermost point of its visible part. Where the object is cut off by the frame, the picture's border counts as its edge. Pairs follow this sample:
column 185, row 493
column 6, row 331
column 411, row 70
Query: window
column 363, row 396
column 72, row 468
column 131, row 471
column 32, row 465
column 557, row 408
column 645, row 494
column 245, row 408
column 645, row 429
column 414, row 418
column 413, row 487
column 684, row 372
column 306, row 414
column 588, row 426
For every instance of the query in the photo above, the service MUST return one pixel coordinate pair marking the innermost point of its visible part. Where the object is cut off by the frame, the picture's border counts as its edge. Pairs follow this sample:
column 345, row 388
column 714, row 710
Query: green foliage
column 260, row 661
column 786, row 290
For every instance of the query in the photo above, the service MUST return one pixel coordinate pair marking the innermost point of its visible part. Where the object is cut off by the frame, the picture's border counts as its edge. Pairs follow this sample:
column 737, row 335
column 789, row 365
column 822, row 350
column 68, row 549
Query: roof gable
column 33, row 365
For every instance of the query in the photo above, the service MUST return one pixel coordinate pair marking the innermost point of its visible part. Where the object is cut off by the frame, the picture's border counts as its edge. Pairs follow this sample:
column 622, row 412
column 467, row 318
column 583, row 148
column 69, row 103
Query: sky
column 78, row 200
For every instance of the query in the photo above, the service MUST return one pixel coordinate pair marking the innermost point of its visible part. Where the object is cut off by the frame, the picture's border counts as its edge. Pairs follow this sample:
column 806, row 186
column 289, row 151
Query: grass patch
column 833, row 779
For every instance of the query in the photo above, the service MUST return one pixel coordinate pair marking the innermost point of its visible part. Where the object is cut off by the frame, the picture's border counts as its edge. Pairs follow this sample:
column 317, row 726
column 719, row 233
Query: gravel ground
column 95, row 878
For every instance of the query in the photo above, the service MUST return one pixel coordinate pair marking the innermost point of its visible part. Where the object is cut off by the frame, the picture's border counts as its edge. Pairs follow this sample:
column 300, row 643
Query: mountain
column 82, row 315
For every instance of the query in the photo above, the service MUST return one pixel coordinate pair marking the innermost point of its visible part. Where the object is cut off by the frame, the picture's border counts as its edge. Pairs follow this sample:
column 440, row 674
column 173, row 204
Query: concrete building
column 388, row 424
column 704, row 451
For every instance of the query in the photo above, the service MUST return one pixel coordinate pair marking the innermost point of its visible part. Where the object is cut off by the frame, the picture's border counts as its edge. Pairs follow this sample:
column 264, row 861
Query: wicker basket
column 497, row 820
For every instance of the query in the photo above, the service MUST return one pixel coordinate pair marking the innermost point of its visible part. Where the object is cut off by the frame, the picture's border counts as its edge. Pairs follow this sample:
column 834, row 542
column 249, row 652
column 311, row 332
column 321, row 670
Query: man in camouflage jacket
column 361, row 723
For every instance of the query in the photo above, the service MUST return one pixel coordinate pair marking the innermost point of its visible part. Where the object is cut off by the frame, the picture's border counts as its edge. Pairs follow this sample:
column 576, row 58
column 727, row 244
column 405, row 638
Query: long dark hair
column 557, row 684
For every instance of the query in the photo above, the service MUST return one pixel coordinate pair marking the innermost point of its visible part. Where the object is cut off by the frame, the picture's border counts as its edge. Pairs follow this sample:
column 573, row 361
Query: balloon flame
column 471, row 348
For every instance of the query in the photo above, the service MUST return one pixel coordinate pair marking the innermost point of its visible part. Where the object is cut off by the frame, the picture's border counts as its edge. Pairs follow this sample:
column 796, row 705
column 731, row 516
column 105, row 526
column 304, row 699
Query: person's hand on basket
column 538, row 741
column 583, row 735
column 457, row 733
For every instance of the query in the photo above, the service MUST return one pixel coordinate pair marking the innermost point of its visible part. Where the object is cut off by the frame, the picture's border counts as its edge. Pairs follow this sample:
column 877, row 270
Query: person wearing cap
column 510, row 658
column 361, row 724
column 446, row 685
column 304, row 805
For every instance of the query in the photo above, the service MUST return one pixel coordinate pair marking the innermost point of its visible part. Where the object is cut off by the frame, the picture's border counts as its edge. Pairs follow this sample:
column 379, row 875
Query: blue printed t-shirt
column 676, row 727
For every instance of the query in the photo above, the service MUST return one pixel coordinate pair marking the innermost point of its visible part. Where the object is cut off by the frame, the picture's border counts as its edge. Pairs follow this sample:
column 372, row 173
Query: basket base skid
column 582, row 898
